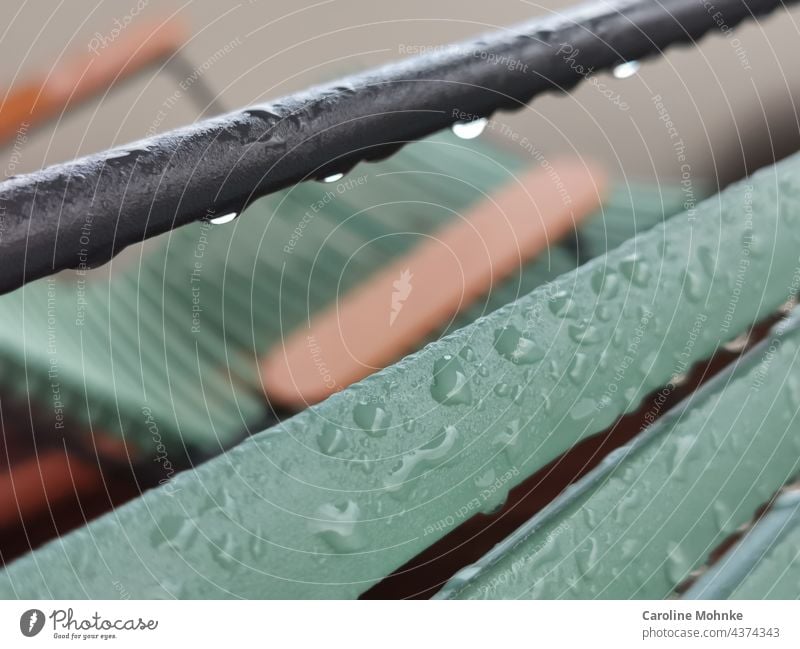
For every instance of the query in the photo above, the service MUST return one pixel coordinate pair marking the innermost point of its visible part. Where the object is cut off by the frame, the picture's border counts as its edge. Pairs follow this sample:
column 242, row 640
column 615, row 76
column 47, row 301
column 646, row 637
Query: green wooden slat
column 652, row 511
column 765, row 564
column 138, row 348
column 332, row 500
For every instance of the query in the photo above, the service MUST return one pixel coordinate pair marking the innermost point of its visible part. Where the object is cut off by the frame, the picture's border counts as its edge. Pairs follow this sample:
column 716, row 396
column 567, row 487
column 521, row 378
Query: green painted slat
column 652, row 511
column 139, row 350
column 333, row 499
column 765, row 564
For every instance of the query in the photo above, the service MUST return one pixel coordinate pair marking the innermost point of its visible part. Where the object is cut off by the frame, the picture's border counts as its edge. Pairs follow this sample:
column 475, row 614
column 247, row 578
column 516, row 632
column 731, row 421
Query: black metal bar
column 86, row 211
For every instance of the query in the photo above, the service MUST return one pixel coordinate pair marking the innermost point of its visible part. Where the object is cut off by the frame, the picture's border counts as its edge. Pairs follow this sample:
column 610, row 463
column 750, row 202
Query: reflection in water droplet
column 337, row 526
column 562, row 305
column 605, row 284
column 486, row 479
column 508, row 440
column 331, row 440
column 225, row 218
column 471, row 129
column 450, row 385
column 413, row 464
column 626, row 70
column 585, row 334
column 467, row 353
column 693, row 287
column 333, row 178
column 224, row 551
column 678, row 564
column 511, row 344
column 579, row 369
column 502, row 389
column 636, row 270
column 372, row 418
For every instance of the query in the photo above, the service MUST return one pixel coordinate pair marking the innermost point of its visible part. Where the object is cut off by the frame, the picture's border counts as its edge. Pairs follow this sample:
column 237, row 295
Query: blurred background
column 705, row 114
column 726, row 99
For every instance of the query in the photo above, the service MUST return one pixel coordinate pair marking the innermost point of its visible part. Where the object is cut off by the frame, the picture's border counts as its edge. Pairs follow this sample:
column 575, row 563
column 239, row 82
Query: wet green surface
column 332, row 500
column 764, row 564
column 653, row 511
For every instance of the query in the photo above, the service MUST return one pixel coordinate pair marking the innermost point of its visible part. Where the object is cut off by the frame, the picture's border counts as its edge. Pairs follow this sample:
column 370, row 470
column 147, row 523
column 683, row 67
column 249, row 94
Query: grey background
column 725, row 113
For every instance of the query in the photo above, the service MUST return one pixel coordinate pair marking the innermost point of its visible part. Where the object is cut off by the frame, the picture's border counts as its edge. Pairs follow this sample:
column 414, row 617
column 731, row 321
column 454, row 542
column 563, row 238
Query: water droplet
column 707, row 260
column 626, row 506
column 562, row 305
column 450, row 384
column 512, row 345
column 225, row 218
column 470, row 130
column 579, row 369
column 175, row 531
column 509, row 440
column 678, row 565
column 332, row 440
column 366, row 463
column 605, row 284
column 427, row 457
column 626, row 70
column 793, row 393
column 692, row 286
column 583, row 408
column 603, row 313
column 333, row 178
column 586, row 556
column 224, row 550
column 738, row 344
column 584, row 334
column 629, row 548
column 467, row 353
column 723, row 516
column 338, row 526
column 502, row 389
column 372, row 418
column 680, row 451
column 636, row 270
column 486, row 479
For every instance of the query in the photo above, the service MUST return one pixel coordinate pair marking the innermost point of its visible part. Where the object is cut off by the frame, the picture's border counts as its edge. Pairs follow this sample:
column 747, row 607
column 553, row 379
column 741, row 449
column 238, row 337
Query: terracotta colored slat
column 384, row 318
